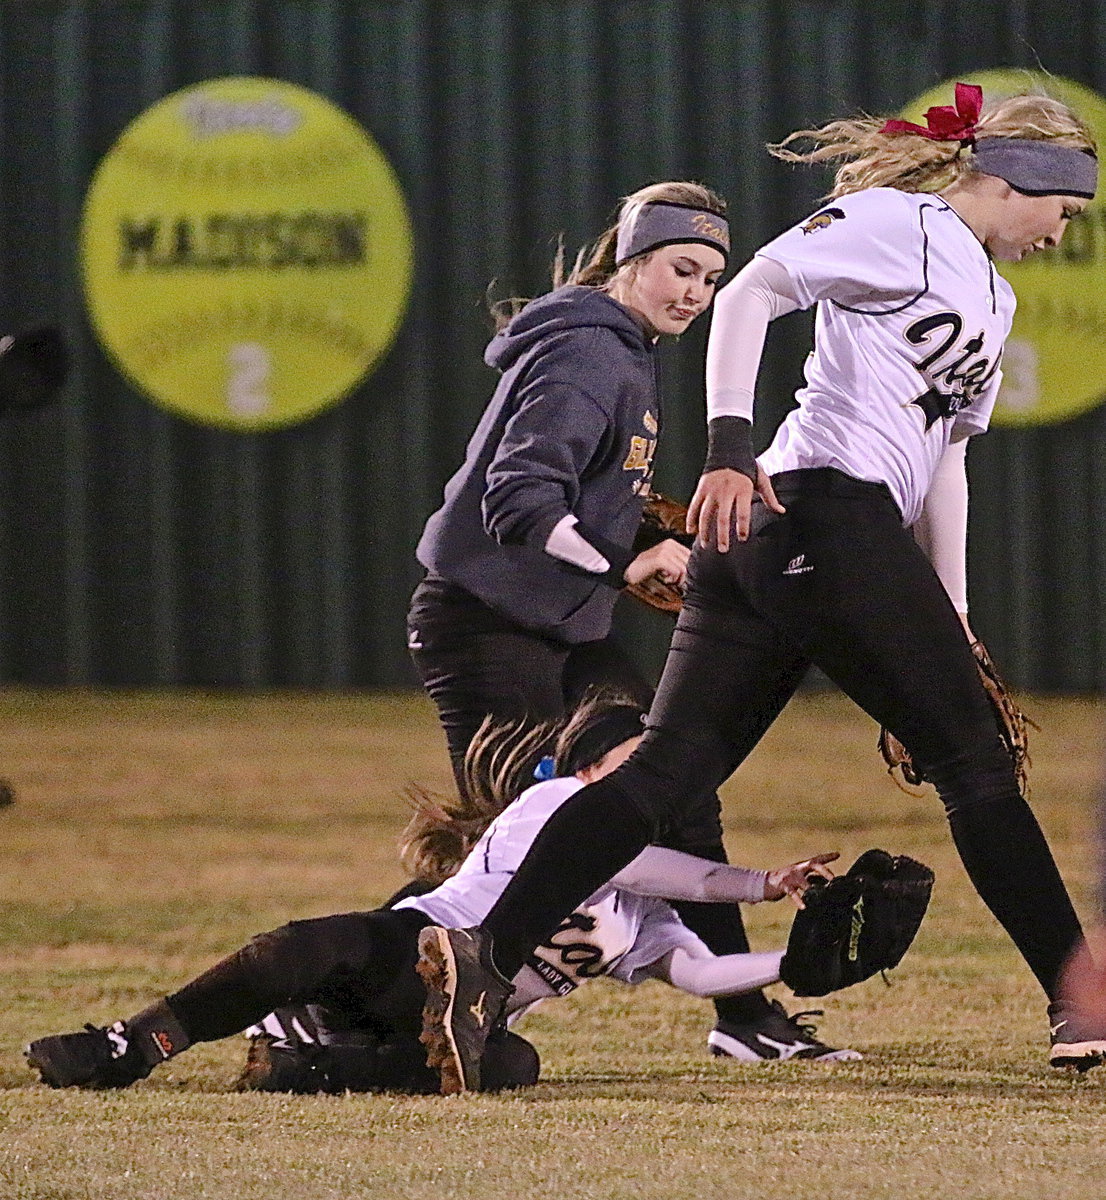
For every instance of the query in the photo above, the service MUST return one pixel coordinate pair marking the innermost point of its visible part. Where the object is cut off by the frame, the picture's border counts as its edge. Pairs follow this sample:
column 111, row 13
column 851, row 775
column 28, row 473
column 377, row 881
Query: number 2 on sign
column 249, row 366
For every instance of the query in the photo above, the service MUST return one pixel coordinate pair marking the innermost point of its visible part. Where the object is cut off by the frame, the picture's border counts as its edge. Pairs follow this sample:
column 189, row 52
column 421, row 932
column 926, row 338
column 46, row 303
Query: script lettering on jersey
column 957, row 372
column 585, row 958
column 573, row 958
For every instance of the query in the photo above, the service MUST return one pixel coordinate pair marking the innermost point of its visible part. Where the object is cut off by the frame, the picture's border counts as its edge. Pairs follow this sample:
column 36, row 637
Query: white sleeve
column 864, row 251
column 568, row 544
column 673, row 875
column 724, row 975
column 760, row 292
column 942, row 529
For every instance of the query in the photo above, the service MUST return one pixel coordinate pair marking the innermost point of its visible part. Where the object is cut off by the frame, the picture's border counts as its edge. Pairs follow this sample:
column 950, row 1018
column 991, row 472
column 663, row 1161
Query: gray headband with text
column 1037, row 167
column 665, row 223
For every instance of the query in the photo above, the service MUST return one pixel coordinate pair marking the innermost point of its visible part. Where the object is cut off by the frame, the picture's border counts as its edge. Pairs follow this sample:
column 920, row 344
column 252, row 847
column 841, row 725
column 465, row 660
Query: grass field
column 154, row 832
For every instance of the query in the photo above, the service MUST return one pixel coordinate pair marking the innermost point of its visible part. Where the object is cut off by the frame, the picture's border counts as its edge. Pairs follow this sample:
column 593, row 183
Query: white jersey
column 911, row 321
column 614, row 932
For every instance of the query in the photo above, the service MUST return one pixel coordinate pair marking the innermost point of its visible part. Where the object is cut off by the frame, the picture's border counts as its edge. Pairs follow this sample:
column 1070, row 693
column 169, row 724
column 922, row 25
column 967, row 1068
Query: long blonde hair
column 498, row 767
column 594, row 266
column 913, row 163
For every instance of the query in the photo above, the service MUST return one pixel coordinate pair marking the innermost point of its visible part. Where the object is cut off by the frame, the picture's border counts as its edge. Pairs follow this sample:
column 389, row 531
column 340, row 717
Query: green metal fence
column 139, row 548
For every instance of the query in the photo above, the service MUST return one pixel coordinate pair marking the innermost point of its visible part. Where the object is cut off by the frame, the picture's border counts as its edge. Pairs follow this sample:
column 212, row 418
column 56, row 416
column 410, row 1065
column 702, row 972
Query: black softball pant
column 360, row 965
column 838, row 582
column 357, row 972
column 473, row 663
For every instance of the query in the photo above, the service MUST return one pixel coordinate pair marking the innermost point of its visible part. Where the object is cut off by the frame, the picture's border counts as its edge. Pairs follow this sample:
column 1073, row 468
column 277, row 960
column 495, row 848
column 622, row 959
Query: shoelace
column 807, row 1028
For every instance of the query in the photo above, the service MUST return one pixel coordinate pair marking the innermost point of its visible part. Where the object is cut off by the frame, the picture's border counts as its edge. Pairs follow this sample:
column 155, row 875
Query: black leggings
column 360, row 965
column 473, row 662
column 836, row 582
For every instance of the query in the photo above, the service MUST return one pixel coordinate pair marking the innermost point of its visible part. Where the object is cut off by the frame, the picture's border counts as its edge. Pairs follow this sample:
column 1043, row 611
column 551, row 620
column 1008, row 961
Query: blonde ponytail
column 873, row 157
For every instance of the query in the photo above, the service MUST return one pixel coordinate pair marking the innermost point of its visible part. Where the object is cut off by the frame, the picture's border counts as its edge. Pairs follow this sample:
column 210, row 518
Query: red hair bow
column 946, row 123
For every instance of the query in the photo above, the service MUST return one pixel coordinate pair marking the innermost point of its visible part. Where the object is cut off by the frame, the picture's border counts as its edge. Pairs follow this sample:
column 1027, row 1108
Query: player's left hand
column 794, row 880
column 723, row 501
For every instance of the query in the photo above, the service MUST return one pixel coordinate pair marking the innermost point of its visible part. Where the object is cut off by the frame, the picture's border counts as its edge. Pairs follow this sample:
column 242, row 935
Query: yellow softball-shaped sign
column 246, row 253
column 1054, row 365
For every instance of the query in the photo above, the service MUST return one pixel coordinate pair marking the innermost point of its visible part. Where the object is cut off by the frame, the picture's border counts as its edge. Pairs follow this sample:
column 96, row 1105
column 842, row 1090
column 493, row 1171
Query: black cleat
column 465, row 997
column 509, row 1061
column 773, row 1038
column 1077, row 1041
column 98, row 1057
column 275, row 1066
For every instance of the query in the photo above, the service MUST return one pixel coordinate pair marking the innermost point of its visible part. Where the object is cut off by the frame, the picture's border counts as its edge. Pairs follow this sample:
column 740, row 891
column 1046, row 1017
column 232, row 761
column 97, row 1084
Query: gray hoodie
column 571, row 428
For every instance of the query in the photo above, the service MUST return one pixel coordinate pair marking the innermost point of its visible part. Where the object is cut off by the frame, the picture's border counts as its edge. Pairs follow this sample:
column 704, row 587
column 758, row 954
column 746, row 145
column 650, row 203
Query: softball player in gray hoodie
column 536, row 534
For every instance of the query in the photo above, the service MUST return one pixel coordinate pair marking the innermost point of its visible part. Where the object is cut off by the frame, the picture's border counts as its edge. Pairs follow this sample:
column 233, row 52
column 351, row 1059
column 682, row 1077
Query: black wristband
column 730, row 445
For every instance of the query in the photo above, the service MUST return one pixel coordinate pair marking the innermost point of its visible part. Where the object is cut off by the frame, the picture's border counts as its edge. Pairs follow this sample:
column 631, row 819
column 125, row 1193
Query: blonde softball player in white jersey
column 843, row 546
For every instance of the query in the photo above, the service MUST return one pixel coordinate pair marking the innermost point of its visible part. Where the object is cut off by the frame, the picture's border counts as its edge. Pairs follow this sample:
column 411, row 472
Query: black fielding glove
column 857, row 924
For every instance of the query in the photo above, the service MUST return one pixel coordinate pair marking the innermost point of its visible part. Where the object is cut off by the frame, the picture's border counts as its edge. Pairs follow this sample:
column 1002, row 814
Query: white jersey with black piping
column 614, row 932
column 911, row 322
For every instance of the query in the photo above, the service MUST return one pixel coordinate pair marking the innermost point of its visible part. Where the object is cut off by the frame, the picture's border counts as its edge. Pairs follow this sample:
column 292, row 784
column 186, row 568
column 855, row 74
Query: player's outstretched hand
column 723, row 501
column 794, row 880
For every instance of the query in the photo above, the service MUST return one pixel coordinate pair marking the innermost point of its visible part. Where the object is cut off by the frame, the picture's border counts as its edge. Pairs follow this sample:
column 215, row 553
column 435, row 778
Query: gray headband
column 665, row 223
column 1036, row 167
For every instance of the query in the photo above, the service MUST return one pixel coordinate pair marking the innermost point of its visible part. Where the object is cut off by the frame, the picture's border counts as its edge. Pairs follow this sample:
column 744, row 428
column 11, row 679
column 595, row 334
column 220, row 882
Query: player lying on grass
column 360, row 967
column 309, row 1048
